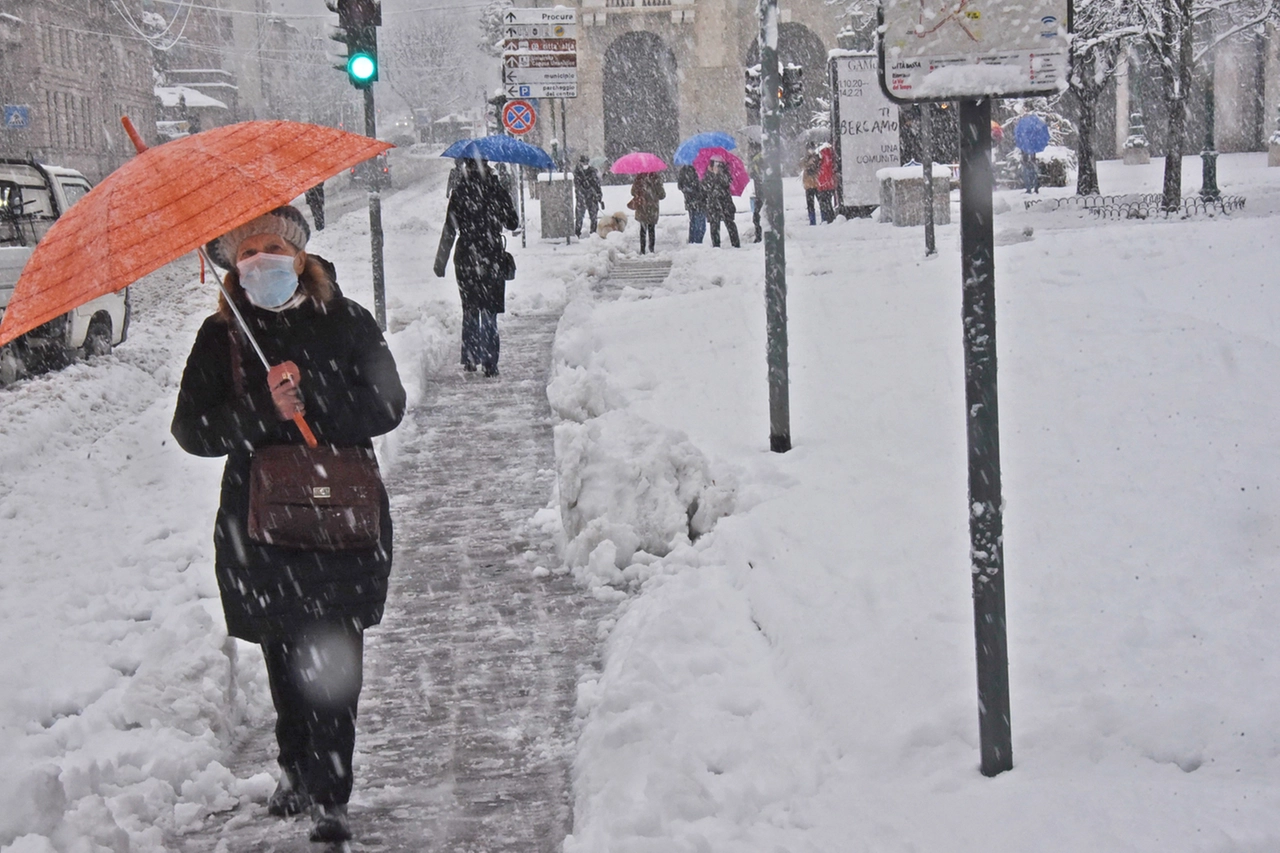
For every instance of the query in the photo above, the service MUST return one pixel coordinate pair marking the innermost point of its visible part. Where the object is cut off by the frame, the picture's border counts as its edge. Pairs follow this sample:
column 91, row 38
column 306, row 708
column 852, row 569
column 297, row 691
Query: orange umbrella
column 170, row 200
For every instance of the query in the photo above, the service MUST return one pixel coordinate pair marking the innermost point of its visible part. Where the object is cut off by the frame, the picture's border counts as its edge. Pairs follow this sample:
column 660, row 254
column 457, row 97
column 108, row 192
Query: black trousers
column 315, row 685
column 730, row 226
column 592, row 211
column 652, row 232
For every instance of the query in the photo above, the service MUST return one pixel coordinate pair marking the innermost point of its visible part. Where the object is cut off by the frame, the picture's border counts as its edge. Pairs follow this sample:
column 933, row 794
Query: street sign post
column 865, row 125
column 541, row 90
column 519, row 117
column 931, row 50
column 540, row 53
column 17, row 117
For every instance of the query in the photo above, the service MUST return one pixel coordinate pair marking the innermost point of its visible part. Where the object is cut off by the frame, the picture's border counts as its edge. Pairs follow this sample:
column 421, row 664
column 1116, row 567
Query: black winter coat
column 719, row 198
column 586, row 185
column 687, row 182
column 352, row 392
column 479, row 209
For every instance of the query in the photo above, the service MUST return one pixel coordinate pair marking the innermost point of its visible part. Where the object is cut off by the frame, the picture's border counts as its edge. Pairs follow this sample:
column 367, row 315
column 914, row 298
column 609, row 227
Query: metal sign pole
column 775, row 255
column 375, row 216
column 926, row 159
column 986, row 513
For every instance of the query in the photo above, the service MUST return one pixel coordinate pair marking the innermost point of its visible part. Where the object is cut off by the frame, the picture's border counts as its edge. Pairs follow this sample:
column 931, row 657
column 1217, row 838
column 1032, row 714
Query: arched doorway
column 641, row 103
column 797, row 45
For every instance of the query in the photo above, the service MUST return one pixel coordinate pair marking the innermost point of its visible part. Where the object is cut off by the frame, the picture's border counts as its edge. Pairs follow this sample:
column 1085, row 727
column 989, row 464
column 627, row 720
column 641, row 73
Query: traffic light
column 358, row 22
column 752, row 89
column 791, row 95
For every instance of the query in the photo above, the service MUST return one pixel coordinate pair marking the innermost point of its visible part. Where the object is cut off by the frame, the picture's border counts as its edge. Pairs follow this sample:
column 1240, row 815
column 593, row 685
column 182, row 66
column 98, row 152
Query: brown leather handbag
column 313, row 499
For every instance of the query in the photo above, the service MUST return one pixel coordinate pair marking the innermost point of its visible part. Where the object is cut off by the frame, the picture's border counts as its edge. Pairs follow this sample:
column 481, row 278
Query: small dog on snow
column 609, row 224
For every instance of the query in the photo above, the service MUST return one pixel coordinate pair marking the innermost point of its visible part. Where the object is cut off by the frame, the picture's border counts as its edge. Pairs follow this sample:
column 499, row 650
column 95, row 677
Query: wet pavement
column 466, row 732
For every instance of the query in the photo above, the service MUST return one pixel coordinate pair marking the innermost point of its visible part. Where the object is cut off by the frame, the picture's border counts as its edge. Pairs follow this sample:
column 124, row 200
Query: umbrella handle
column 307, row 435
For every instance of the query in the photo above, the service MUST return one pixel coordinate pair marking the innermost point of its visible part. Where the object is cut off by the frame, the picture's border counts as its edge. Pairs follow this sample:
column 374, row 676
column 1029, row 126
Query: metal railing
column 1143, row 206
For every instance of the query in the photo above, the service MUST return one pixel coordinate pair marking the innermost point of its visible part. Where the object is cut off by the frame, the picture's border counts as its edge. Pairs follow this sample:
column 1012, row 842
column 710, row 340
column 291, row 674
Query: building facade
column 69, row 69
column 653, row 72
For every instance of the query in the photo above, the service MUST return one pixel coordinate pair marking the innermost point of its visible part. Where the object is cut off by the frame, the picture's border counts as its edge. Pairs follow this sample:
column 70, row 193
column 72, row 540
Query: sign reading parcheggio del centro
column 941, row 50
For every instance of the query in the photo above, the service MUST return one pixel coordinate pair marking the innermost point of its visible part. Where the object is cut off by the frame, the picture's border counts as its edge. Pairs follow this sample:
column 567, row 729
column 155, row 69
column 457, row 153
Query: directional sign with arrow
column 540, row 60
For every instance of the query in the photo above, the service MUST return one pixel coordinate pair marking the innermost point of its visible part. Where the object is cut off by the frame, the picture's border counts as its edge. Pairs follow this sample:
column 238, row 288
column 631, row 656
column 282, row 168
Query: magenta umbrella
column 738, row 177
column 637, row 162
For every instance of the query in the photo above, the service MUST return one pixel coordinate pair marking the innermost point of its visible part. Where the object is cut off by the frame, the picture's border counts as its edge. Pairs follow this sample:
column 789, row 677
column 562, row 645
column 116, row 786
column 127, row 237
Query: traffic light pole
column 775, row 254
column 375, row 217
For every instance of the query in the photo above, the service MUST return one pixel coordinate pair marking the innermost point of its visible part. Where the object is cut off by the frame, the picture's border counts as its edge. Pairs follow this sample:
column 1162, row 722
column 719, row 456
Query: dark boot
column 329, row 823
column 288, row 799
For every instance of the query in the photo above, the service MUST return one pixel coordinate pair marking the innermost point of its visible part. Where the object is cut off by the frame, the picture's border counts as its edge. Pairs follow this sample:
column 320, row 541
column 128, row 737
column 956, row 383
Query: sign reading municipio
column 866, row 128
column 941, row 50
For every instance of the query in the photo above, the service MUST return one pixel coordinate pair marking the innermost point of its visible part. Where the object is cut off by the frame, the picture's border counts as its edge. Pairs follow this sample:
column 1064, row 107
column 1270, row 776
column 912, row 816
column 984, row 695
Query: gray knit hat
column 287, row 222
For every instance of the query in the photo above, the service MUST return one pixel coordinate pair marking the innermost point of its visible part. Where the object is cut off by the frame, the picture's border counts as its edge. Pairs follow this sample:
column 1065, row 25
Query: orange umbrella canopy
column 168, row 201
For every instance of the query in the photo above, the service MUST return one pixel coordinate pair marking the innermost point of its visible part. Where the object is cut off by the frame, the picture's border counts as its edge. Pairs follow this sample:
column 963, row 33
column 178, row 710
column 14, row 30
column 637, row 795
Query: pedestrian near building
column 587, row 193
column 306, row 605
column 315, row 201
column 719, row 200
column 827, row 182
column 689, row 185
column 646, row 191
column 809, row 166
column 479, row 209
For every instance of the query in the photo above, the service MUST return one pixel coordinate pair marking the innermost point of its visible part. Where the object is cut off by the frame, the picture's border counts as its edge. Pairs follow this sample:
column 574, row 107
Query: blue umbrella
column 689, row 149
column 1031, row 134
column 501, row 149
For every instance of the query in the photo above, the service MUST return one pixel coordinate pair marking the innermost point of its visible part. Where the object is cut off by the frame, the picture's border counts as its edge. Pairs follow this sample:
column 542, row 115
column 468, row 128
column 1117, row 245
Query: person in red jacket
column 827, row 182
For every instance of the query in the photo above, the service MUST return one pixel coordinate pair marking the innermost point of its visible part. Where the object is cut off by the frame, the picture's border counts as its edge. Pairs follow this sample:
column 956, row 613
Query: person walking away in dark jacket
column 455, row 174
column 827, row 182
column 479, row 209
column 308, row 609
column 587, row 193
column 809, row 166
column 755, row 169
column 719, row 201
column 688, row 184
column 315, row 201
column 646, row 191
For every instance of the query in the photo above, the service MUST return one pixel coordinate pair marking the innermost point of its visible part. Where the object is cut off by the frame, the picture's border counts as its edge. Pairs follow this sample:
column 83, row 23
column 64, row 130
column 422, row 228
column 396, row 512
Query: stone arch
column 797, row 45
column 641, row 96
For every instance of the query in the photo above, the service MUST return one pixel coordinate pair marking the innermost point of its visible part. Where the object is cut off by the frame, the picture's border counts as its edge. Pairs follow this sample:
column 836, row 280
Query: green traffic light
column 362, row 68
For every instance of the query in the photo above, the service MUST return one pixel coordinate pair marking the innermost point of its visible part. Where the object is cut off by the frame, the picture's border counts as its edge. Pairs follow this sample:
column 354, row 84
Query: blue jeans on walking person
column 479, row 338
column 697, row 226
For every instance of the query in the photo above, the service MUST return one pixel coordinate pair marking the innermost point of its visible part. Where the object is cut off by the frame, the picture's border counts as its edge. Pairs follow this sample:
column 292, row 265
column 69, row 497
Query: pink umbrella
column 738, row 177
column 637, row 162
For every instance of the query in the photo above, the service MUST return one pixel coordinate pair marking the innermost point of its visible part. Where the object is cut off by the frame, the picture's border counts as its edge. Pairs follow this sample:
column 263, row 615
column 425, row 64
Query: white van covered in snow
column 32, row 197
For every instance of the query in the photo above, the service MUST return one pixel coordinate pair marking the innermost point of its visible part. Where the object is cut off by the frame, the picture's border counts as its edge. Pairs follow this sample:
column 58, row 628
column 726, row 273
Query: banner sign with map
column 943, row 50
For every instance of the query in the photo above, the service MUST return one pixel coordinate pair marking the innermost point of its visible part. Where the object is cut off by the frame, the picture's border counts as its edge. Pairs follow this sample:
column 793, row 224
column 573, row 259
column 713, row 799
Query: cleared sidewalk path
column 466, row 731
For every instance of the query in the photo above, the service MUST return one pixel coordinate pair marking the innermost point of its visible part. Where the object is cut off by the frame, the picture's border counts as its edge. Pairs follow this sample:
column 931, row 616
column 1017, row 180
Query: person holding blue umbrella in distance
column 479, row 209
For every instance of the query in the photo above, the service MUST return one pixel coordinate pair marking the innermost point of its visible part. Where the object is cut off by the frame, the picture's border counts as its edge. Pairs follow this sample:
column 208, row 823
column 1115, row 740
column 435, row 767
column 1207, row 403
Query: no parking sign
column 519, row 117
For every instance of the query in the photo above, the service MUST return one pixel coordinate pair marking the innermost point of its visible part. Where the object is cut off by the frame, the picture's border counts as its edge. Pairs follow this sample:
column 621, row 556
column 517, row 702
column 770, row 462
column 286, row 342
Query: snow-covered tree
column 426, row 64
column 1102, row 29
column 1168, row 27
column 492, row 20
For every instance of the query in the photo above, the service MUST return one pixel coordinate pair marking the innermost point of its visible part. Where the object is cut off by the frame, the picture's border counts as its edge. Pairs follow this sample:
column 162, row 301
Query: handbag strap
column 237, row 361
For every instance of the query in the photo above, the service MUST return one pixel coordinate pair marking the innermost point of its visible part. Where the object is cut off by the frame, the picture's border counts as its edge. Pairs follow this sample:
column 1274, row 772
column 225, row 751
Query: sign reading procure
column 941, row 50
column 865, row 127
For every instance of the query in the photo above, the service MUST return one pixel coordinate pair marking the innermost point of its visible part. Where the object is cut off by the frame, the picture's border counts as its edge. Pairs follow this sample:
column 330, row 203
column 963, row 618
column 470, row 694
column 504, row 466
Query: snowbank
column 801, row 677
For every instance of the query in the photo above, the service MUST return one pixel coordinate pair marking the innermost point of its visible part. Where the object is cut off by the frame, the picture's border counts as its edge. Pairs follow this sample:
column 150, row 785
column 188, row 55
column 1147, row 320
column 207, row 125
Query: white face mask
column 268, row 280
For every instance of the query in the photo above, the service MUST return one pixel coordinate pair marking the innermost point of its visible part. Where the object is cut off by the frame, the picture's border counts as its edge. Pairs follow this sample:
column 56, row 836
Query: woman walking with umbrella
column 646, row 192
column 307, row 606
column 479, row 209
column 719, row 202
